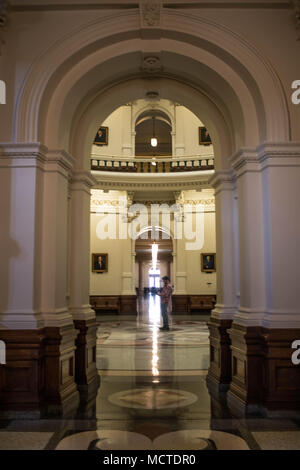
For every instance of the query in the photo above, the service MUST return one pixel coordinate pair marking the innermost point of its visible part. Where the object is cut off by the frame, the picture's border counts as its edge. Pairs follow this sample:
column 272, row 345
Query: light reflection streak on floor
column 154, row 318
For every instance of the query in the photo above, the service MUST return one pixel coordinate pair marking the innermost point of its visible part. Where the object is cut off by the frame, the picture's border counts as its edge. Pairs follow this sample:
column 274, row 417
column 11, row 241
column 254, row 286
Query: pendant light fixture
column 154, row 141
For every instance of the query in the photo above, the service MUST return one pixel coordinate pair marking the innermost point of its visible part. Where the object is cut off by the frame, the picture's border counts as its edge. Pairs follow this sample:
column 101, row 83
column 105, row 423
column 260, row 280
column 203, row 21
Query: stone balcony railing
column 152, row 165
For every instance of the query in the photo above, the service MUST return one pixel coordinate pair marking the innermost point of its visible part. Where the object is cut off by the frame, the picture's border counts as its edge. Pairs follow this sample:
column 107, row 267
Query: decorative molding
column 151, row 65
column 83, row 177
column 62, row 158
column 280, row 154
column 174, row 182
column 24, row 155
column 4, row 20
column 14, row 150
column 296, row 4
column 130, row 196
column 150, row 13
column 4, row 13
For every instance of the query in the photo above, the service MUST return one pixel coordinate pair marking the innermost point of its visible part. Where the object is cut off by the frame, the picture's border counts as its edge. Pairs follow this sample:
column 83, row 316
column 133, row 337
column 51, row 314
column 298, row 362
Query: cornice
column 83, row 177
column 222, row 179
column 283, row 154
column 62, row 158
column 31, row 155
column 23, row 150
column 279, row 149
column 142, row 182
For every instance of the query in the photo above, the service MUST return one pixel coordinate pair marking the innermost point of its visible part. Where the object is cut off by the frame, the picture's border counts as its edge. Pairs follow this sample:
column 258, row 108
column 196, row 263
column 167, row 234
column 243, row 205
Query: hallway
column 152, row 396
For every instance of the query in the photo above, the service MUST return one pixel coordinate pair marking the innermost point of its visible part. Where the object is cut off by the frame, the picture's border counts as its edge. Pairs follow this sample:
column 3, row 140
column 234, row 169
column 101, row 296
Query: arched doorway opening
column 147, row 275
column 153, row 134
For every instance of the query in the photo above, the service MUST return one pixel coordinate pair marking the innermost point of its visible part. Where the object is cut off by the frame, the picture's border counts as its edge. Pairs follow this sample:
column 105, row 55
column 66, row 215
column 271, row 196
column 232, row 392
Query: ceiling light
column 154, row 141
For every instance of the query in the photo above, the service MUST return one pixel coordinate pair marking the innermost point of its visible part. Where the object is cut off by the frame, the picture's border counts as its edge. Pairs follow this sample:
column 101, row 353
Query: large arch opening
column 227, row 84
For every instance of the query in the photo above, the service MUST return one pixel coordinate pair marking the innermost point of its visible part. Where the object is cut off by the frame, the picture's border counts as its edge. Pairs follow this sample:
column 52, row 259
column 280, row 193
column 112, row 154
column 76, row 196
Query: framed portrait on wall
column 101, row 138
column 99, row 262
column 208, row 262
column 204, row 137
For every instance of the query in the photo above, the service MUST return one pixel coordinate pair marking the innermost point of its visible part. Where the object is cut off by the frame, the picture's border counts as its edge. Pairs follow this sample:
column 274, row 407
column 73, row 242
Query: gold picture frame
column 204, row 137
column 101, row 138
column 99, row 266
column 208, row 262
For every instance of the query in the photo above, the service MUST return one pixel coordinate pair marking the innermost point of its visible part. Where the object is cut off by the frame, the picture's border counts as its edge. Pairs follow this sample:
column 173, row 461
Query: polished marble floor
column 153, row 396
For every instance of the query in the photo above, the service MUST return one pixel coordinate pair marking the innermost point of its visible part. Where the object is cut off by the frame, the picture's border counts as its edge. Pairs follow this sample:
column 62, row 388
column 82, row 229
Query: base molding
column 38, row 378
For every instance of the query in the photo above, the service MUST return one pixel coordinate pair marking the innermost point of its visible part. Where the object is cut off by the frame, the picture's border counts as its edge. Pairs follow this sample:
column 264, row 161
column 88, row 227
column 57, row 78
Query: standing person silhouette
column 166, row 295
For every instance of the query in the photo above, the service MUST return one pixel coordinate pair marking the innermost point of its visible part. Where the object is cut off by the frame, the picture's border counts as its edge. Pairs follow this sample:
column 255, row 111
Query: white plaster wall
column 121, row 124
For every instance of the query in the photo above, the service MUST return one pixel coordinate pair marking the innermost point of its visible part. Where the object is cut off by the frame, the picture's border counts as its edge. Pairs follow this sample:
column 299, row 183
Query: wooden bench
column 201, row 302
column 105, row 303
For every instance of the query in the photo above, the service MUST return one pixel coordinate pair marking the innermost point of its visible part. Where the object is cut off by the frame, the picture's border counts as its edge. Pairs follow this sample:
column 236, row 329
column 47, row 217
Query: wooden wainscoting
column 219, row 373
column 39, row 375
column 86, row 374
column 263, row 375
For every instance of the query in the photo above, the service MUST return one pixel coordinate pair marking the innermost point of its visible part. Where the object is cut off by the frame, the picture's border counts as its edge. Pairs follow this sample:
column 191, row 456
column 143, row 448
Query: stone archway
column 59, row 104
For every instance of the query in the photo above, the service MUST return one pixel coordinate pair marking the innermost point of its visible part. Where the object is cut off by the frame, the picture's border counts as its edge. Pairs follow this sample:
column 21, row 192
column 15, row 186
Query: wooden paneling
column 39, row 372
column 86, row 374
column 180, row 304
column 263, row 373
column 22, row 379
column 128, row 305
column 219, row 374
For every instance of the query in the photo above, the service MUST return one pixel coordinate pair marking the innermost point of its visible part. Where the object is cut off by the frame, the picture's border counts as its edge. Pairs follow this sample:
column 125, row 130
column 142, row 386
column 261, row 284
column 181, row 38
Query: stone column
column 35, row 324
column 21, row 191
column 80, row 266
column 267, row 321
column 21, row 323
column 126, row 131
column 128, row 294
column 60, row 350
column 179, row 131
column 247, row 354
column 219, row 375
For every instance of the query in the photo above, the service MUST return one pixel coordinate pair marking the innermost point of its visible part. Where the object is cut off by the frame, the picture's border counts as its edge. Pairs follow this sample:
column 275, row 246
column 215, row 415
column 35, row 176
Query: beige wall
column 188, row 263
column 121, row 124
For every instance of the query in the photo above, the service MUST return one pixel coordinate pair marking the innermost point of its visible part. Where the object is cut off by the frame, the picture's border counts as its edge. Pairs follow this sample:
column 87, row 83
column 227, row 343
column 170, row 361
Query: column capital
column 223, row 180
column 22, row 154
column 245, row 159
column 61, row 158
column 283, row 154
column 82, row 180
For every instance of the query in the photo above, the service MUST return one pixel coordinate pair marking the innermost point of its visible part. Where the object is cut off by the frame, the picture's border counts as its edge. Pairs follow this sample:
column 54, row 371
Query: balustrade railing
column 154, row 165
